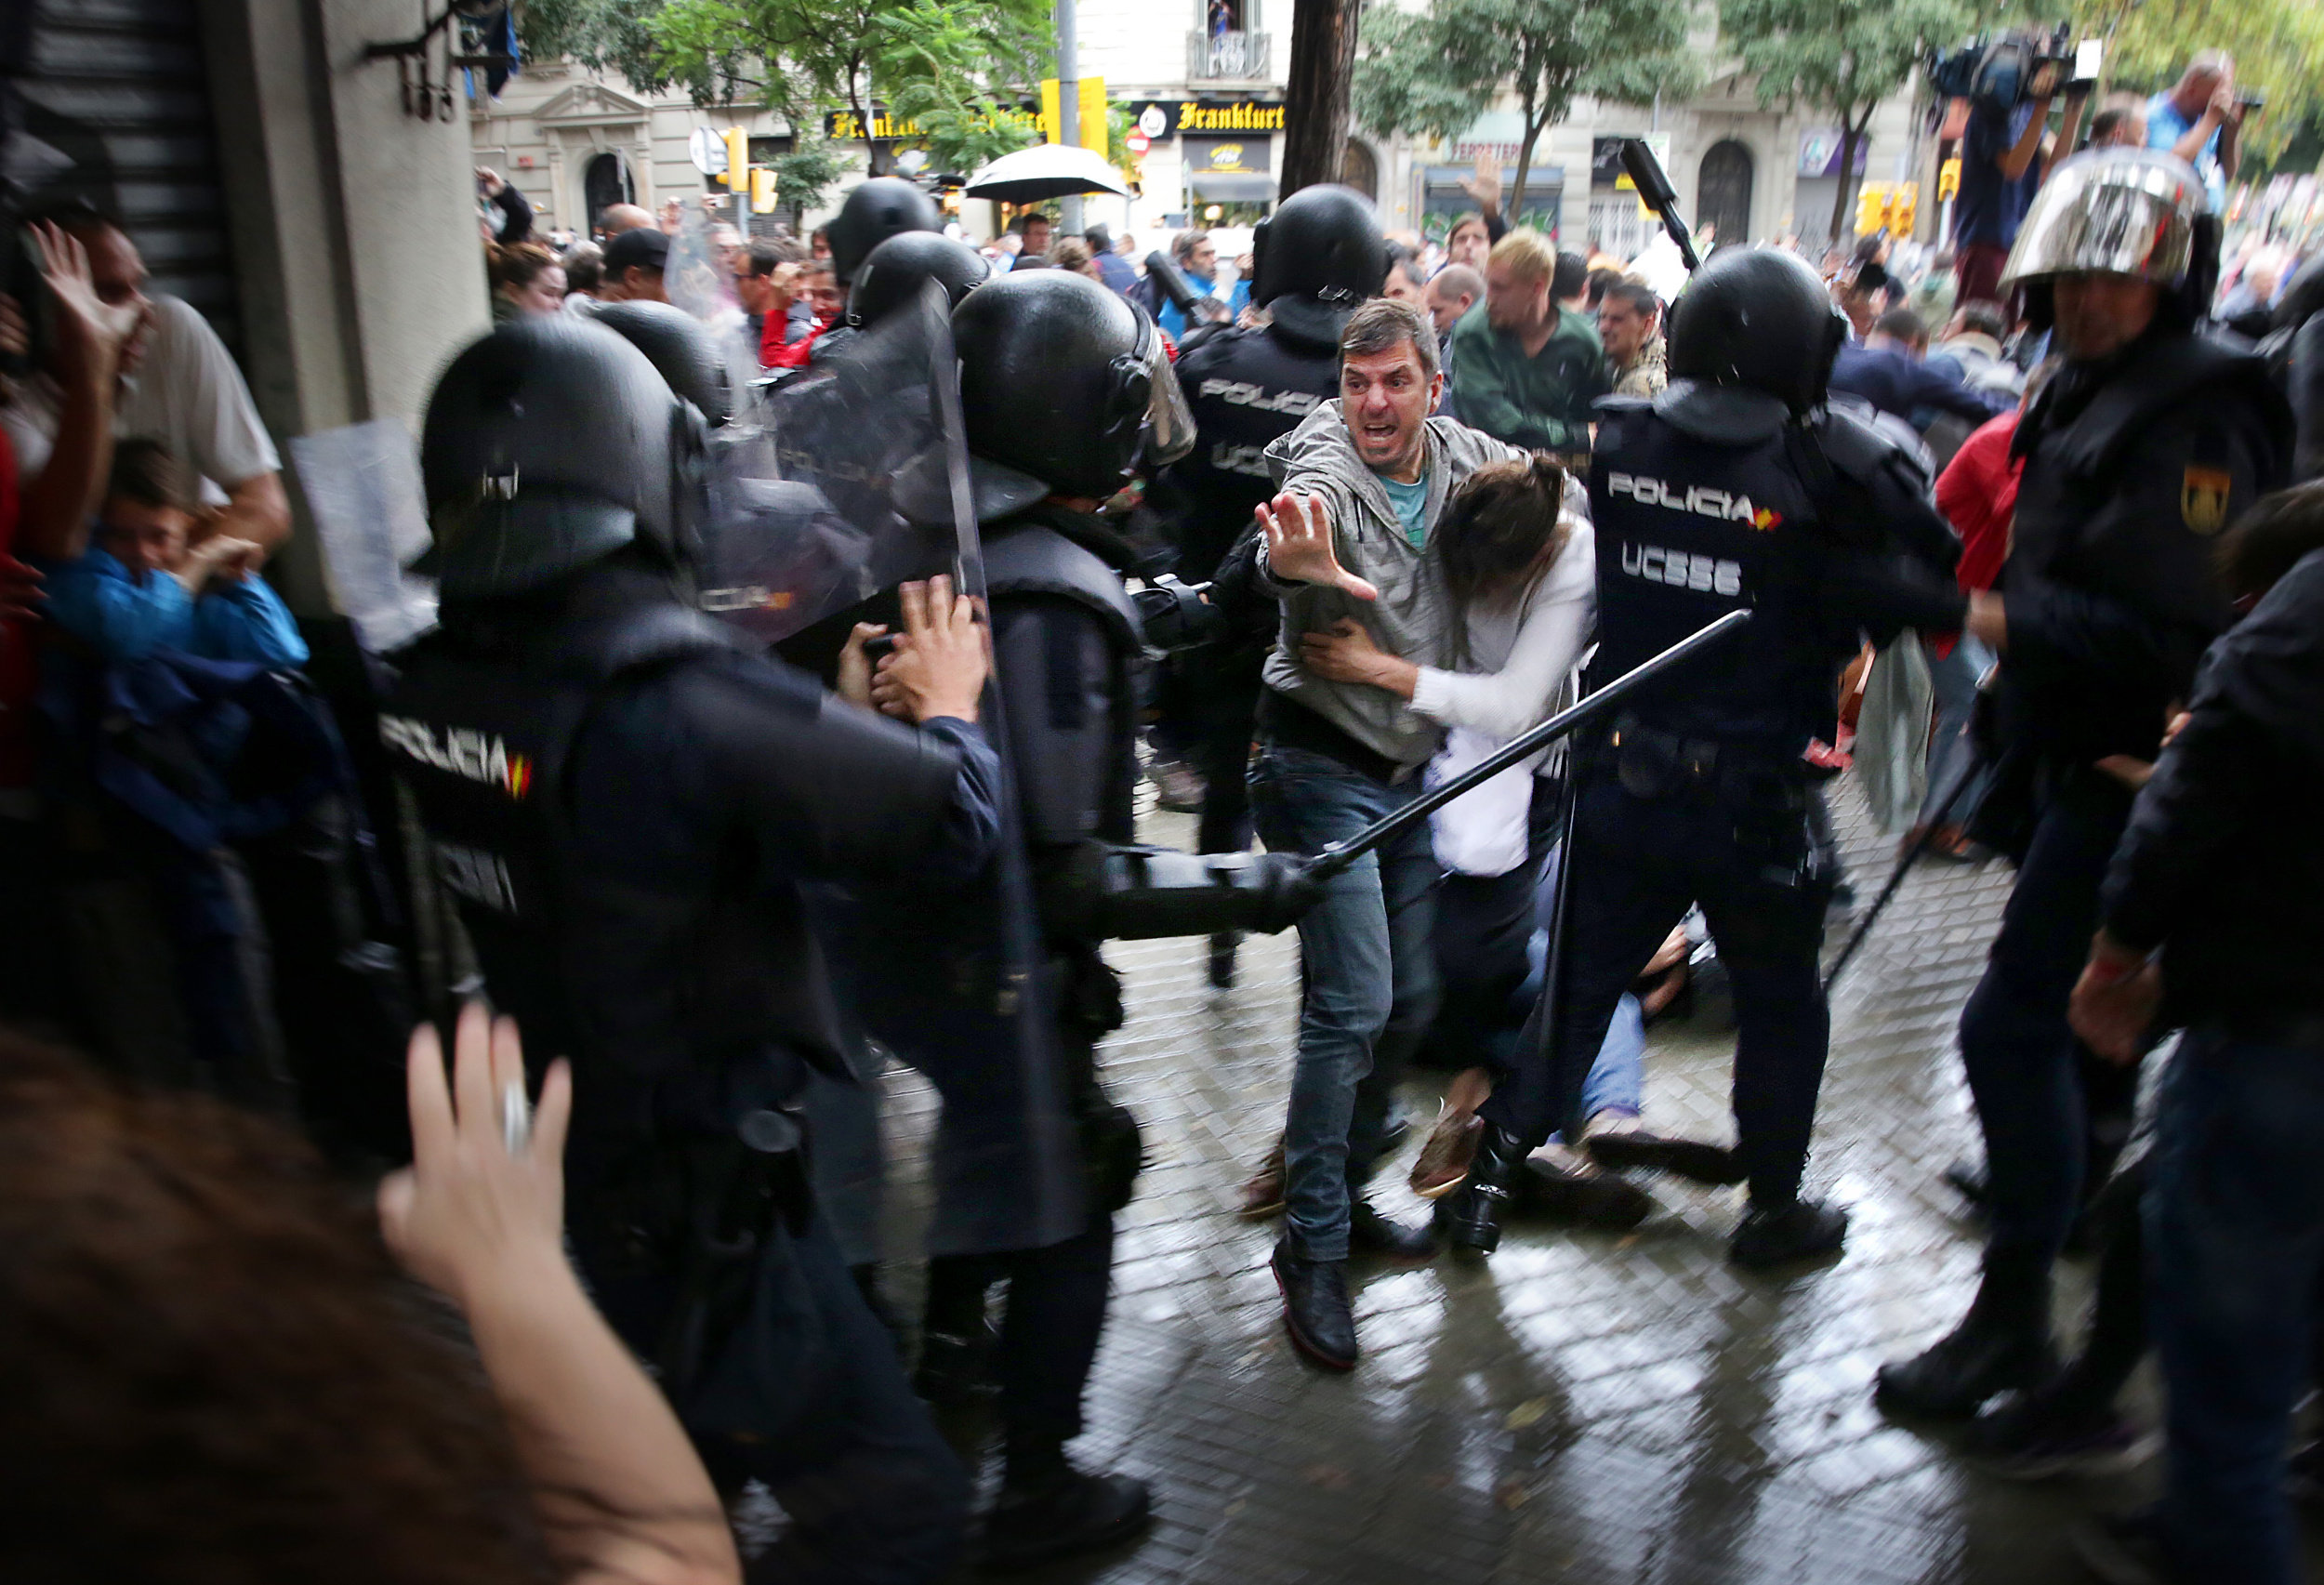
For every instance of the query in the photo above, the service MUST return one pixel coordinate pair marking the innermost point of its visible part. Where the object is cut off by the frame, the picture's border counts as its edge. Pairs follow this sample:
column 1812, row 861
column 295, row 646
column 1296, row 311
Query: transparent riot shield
column 874, row 489
column 362, row 487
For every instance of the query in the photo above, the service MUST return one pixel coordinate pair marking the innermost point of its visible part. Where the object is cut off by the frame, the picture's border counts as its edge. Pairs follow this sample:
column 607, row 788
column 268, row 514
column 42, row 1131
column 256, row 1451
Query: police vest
column 1038, row 553
column 482, row 726
column 1688, row 530
column 1246, row 388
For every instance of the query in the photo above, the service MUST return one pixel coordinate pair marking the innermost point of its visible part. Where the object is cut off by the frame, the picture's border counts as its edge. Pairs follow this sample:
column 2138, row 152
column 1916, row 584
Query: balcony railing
column 1231, row 57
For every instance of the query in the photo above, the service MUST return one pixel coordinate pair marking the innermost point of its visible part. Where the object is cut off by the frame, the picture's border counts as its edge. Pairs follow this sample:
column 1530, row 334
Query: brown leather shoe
column 1262, row 1192
column 1445, row 1158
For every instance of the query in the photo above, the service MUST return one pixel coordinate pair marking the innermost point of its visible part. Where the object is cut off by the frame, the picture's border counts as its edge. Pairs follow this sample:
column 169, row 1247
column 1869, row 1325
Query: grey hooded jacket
column 1413, row 618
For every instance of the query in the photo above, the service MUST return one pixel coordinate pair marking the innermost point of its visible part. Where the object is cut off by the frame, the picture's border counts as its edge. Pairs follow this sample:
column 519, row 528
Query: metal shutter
column 117, row 89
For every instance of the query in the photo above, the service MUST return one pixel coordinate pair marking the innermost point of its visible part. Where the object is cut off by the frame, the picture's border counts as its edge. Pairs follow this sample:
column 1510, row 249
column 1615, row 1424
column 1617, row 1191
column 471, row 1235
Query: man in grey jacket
column 1365, row 480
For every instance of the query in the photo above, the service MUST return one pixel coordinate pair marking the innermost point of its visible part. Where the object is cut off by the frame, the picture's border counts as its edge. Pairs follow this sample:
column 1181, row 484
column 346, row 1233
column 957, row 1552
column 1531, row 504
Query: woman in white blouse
column 1518, row 561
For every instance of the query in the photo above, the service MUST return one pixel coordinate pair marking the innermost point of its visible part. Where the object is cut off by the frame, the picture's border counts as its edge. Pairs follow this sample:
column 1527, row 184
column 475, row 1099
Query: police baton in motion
column 1132, row 893
column 1657, row 193
column 1967, row 772
column 1195, row 305
column 1339, row 855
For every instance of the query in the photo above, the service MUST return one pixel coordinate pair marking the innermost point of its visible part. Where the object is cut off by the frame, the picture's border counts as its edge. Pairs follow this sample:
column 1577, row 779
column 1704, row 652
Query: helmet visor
column 2116, row 212
column 1169, row 426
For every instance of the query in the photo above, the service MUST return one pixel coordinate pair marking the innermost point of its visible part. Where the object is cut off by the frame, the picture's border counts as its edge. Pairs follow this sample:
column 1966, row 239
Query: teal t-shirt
column 1411, row 504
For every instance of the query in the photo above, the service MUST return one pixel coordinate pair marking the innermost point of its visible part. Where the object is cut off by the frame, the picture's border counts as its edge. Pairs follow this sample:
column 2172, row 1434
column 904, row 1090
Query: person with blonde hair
column 1526, row 367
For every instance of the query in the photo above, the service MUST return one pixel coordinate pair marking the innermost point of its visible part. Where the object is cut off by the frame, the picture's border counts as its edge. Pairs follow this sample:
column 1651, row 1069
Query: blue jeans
column 1371, row 979
column 1954, row 680
column 2235, row 1218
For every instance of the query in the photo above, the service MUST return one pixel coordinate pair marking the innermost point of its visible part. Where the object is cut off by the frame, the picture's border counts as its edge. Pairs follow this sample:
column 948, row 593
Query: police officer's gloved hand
column 1885, row 592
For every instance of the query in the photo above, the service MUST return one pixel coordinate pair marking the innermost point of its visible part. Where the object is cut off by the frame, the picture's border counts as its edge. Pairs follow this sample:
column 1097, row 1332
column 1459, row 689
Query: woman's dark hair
column 148, row 472
column 1501, row 529
column 210, row 1369
column 2268, row 539
column 516, row 264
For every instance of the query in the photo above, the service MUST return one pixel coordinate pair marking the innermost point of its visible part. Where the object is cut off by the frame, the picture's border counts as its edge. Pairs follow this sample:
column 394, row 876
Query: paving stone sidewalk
column 1582, row 1407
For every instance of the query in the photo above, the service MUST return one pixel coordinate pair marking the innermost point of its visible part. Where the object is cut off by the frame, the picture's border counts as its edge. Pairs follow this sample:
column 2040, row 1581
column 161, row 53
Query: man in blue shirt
column 141, row 588
column 2002, row 161
column 1113, row 268
column 2200, row 121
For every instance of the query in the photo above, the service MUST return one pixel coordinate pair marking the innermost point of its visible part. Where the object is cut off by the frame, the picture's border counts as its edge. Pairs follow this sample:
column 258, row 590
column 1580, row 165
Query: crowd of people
column 2028, row 514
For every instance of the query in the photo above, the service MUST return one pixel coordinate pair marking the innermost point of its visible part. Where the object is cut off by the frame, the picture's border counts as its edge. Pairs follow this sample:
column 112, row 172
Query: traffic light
column 737, row 175
column 1904, row 208
column 761, row 191
column 1949, row 179
column 1872, row 207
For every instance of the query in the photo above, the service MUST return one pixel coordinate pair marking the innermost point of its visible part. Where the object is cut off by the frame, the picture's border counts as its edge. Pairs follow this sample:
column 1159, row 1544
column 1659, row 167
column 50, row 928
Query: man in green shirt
column 1526, row 367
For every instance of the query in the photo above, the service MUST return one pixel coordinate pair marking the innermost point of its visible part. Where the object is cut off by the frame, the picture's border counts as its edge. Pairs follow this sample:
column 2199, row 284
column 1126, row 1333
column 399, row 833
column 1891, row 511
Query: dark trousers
column 1639, row 861
column 807, row 1395
column 1220, row 697
column 2235, row 1219
column 2021, row 1057
column 1483, row 932
column 1048, row 1337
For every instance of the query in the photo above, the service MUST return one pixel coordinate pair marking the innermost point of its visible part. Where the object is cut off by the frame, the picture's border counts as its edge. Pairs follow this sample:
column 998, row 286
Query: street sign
column 1138, row 142
column 708, row 150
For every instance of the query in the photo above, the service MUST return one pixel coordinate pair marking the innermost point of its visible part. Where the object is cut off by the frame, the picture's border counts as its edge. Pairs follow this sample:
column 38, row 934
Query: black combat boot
column 1048, row 1509
column 1780, row 1234
column 1223, row 946
column 2003, row 1344
column 1372, row 1233
column 1471, row 1216
column 1315, row 1309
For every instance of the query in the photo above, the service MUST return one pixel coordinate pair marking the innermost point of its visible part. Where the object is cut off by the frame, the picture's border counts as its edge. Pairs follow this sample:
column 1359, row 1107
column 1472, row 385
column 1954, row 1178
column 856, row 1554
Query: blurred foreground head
column 210, row 1371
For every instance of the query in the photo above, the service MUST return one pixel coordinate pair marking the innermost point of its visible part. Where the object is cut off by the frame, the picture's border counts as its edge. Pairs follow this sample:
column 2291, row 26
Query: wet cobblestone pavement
column 1582, row 1407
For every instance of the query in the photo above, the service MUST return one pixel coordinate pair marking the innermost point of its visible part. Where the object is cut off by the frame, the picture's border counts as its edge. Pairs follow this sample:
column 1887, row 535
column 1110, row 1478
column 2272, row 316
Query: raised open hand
column 1300, row 547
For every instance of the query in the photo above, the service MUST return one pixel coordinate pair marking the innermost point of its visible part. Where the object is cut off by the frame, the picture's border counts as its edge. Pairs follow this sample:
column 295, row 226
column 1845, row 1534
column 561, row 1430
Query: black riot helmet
column 1317, row 258
column 891, row 274
column 873, row 213
column 1057, row 376
column 1758, row 318
column 549, row 444
column 681, row 349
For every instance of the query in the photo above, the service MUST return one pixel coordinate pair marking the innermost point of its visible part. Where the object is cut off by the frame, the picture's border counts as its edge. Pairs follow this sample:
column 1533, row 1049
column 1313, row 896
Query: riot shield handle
column 1657, row 193
column 1339, row 855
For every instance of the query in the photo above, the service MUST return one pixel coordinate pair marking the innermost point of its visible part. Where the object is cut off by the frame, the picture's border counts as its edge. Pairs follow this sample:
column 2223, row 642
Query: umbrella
column 1046, row 170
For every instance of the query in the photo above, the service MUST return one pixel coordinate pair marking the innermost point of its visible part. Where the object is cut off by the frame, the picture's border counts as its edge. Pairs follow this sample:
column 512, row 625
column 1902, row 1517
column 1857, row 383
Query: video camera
column 2001, row 72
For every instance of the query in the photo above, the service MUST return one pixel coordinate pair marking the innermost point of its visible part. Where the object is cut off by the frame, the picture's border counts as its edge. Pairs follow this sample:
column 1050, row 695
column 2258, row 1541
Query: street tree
column 960, row 68
column 1434, row 72
column 1838, row 58
column 1315, row 99
column 2277, row 46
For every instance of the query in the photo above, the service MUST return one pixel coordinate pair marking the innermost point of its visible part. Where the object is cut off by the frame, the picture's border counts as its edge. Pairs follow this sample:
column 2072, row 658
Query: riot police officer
column 1737, row 488
column 626, row 805
column 2149, row 440
column 1318, row 255
column 1059, row 382
column 891, row 274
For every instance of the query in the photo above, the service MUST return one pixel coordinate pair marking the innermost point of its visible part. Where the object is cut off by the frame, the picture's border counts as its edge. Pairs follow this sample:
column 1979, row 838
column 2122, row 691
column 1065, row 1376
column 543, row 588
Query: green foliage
column 2278, row 46
column 958, row 67
column 802, row 176
column 938, row 62
column 601, row 34
column 1433, row 73
column 1839, row 57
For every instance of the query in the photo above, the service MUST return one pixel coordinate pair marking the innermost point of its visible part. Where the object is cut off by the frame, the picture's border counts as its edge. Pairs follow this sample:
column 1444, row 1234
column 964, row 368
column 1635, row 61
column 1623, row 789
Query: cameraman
column 2201, row 121
column 2004, row 158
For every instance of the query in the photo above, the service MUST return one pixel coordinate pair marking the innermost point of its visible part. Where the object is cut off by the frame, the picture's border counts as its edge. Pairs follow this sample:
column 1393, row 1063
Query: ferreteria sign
column 1167, row 118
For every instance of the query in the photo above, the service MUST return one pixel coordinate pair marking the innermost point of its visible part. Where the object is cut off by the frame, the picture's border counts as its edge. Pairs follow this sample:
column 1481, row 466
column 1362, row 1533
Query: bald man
column 620, row 217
